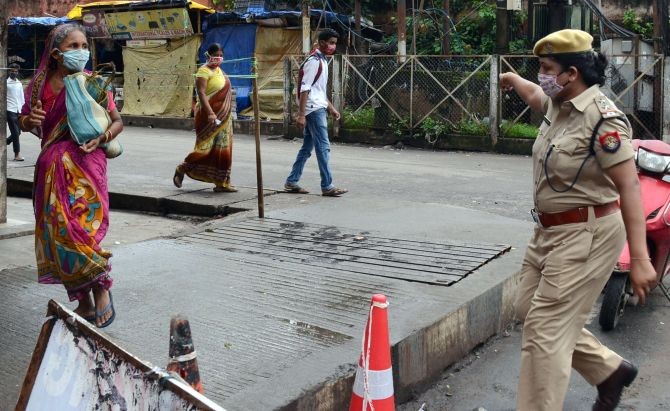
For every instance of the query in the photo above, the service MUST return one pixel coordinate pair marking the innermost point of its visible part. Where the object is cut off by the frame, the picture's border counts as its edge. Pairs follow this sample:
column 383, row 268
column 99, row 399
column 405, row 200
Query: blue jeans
column 315, row 137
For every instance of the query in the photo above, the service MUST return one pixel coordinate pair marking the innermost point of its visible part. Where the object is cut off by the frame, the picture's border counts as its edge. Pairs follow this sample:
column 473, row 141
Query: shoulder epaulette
column 607, row 108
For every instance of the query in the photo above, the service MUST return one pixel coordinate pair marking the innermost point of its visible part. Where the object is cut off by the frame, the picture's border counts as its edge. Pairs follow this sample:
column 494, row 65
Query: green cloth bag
column 86, row 100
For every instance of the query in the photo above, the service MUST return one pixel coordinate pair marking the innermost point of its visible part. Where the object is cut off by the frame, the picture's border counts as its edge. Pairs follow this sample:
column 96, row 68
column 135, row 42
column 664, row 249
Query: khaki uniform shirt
column 568, row 128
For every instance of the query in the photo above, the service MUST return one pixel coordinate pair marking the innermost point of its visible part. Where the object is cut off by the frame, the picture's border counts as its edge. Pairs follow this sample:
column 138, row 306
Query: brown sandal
column 294, row 189
column 221, row 189
column 178, row 179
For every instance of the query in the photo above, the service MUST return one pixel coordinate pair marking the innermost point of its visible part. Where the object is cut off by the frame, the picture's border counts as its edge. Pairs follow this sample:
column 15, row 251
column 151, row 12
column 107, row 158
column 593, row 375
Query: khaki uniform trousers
column 564, row 271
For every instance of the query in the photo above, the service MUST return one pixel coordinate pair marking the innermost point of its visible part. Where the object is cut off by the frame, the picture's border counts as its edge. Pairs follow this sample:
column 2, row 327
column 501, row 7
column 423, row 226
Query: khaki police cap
column 567, row 41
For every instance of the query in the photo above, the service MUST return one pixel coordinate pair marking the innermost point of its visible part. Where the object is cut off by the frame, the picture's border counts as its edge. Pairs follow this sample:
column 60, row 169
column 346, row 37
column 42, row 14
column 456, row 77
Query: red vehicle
column 653, row 166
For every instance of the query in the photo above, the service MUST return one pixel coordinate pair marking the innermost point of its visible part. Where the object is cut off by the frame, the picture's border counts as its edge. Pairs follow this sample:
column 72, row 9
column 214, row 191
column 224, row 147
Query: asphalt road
column 499, row 184
column 487, row 378
column 384, row 178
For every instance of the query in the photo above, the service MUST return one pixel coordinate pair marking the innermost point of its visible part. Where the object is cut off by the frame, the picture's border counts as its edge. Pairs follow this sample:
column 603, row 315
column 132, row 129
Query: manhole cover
column 332, row 247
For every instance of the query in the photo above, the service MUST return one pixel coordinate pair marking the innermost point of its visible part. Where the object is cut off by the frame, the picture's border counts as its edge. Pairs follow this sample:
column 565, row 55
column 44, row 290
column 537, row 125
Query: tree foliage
column 224, row 4
column 472, row 28
column 639, row 25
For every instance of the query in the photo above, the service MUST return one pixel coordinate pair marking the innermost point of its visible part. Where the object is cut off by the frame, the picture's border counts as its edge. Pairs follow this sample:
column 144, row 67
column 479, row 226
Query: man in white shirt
column 313, row 109
column 15, row 101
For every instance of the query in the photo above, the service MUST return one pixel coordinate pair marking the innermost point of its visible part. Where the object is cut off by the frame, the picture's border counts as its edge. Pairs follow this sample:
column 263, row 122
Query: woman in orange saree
column 212, row 157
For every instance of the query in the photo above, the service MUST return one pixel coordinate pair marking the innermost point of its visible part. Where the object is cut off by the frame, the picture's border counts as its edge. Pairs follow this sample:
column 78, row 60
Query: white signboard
column 80, row 369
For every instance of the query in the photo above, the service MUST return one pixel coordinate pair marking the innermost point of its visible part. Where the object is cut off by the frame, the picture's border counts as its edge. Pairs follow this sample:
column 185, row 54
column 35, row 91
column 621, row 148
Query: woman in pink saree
column 70, row 186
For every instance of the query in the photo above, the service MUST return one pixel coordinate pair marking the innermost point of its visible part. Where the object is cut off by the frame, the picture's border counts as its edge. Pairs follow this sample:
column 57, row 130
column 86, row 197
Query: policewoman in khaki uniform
column 582, row 164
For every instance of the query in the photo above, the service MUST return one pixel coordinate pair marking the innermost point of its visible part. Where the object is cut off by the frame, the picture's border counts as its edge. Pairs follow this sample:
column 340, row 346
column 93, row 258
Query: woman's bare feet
column 86, row 309
column 104, row 309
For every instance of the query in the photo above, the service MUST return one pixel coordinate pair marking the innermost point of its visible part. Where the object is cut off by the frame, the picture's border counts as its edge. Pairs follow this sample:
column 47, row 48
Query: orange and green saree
column 212, row 157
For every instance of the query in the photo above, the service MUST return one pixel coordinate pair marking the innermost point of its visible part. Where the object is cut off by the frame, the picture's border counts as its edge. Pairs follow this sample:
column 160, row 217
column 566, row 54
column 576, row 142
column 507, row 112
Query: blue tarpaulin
column 238, row 42
column 23, row 31
column 40, row 21
column 24, row 27
column 327, row 18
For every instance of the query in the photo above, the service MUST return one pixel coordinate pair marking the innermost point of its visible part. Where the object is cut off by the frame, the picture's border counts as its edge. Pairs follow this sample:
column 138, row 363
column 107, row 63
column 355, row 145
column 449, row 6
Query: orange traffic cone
column 373, row 388
column 183, row 359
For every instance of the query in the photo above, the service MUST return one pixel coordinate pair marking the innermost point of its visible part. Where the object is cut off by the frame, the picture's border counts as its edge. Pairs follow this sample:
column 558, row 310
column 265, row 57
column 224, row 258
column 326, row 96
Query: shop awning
column 38, row 21
column 78, row 10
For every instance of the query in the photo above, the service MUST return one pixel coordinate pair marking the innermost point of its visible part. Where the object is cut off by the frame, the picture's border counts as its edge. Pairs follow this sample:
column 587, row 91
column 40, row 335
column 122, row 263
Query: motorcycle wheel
column 614, row 301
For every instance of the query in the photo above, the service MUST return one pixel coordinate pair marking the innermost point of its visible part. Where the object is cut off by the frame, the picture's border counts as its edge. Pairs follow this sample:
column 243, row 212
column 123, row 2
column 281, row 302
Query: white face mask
column 75, row 60
column 549, row 84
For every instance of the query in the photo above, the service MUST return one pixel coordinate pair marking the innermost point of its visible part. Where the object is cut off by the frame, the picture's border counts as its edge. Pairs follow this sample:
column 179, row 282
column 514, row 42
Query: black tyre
column 614, row 301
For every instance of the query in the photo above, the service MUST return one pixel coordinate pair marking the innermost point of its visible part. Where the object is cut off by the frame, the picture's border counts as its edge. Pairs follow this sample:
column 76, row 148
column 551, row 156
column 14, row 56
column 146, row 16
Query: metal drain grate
column 330, row 247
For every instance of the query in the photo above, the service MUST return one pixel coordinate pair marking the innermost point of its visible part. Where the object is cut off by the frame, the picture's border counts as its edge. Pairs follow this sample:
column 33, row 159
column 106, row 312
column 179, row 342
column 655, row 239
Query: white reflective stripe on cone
column 380, row 384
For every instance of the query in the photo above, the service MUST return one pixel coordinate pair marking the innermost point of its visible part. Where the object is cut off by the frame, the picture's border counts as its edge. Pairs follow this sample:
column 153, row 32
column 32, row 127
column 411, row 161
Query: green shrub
column 363, row 118
column 520, row 130
column 399, row 127
column 434, row 129
column 472, row 127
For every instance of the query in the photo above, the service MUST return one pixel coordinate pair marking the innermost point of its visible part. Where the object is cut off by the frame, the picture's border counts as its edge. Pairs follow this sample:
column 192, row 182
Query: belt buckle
column 536, row 217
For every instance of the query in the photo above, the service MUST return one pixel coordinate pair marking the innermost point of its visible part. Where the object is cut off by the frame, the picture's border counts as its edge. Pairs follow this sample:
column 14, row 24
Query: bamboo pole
column 257, row 133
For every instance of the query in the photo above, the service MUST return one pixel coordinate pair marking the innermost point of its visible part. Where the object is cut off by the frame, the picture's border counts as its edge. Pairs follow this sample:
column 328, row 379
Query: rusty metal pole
column 402, row 39
column 257, row 135
column 413, row 27
column 502, row 27
column 306, row 35
column 357, row 20
column 557, row 10
column 530, row 35
column 287, row 95
column 3, row 110
column 446, row 40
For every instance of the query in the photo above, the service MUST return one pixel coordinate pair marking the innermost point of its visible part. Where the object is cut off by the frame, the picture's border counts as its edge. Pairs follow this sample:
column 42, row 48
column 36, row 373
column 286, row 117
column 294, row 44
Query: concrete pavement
column 276, row 317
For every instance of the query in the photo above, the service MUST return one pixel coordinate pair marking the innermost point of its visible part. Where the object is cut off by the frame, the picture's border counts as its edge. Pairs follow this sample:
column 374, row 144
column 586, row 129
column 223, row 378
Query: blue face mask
column 75, row 60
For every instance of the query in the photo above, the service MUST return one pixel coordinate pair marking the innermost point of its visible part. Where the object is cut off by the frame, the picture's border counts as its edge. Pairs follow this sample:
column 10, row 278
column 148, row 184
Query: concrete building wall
column 41, row 8
column 614, row 9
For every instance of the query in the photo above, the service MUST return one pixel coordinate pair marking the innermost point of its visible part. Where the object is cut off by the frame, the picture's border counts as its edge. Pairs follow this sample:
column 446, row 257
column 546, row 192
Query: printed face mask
column 76, row 60
column 549, row 84
column 214, row 61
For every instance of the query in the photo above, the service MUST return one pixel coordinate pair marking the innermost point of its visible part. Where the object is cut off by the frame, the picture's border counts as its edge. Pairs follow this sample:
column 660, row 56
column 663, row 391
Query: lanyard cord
column 546, row 171
column 592, row 152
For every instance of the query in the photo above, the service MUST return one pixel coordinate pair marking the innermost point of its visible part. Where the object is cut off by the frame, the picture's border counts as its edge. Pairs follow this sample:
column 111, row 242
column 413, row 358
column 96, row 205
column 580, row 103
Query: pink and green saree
column 69, row 196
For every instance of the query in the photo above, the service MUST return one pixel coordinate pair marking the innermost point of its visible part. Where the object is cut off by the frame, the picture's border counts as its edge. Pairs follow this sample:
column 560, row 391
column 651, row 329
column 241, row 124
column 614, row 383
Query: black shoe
column 609, row 391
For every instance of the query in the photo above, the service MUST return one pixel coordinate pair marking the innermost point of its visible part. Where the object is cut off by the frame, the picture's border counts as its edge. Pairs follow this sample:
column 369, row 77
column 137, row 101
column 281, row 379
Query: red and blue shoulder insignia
column 610, row 142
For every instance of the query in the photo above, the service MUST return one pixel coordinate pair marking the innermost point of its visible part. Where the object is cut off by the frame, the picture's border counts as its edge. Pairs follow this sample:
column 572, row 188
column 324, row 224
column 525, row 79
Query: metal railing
column 460, row 93
column 632, row 82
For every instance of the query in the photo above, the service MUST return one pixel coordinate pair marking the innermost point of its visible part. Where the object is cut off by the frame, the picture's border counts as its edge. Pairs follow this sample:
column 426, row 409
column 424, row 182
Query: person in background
column 70, row 195
column 587, row 202
column 212, row 158
column 313, row 109
column 15, row 101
